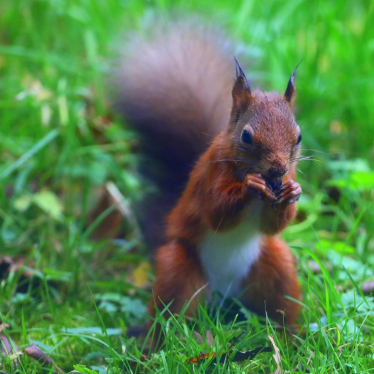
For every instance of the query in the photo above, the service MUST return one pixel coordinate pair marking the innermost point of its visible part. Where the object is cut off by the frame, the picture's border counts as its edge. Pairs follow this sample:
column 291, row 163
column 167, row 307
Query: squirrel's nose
column 276, row 172
column 277, row 168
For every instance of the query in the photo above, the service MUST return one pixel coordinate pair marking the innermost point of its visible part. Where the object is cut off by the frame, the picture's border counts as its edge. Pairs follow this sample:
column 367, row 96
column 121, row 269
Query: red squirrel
column 227, row 158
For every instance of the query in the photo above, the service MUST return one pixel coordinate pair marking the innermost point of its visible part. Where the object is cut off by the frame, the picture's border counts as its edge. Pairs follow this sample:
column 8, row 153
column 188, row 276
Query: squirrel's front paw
column 289, row 193
column 258, row 188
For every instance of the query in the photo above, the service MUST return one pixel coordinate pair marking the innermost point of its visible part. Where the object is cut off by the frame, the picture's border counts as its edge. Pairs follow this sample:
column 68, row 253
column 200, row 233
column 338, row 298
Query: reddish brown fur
column 217, row 197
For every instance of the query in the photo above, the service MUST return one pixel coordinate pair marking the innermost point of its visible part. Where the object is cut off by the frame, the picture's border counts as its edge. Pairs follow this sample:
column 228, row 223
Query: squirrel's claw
column 258, row 187
column 289, row 193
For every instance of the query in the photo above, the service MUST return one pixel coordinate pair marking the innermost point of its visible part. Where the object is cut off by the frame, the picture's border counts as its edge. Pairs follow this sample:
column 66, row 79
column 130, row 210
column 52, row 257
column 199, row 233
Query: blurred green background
column 61, row 143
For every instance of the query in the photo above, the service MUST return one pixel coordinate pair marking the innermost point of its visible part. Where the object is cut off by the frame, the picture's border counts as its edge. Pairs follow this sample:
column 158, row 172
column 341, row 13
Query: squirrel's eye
column 299, row 139
column 246, row 137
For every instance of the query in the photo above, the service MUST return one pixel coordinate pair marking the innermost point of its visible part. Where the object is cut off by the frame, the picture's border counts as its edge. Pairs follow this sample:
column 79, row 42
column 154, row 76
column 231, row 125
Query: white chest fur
column 227, row 257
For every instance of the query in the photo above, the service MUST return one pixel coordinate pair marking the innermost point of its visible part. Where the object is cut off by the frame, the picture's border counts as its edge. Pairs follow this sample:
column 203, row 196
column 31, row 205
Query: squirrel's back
column 174, row 88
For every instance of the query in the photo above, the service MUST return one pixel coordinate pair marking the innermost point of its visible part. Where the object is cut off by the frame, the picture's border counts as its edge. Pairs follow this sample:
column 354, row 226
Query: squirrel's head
column 265, row 135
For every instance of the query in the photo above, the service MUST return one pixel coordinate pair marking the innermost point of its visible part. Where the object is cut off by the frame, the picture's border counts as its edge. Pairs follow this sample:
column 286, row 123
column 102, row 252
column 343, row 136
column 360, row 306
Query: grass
column 61, row 145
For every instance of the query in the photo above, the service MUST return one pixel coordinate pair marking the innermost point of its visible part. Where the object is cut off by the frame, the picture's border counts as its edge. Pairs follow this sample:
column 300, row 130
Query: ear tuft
column 240, row 73
column 241, row 92
column 290, row 93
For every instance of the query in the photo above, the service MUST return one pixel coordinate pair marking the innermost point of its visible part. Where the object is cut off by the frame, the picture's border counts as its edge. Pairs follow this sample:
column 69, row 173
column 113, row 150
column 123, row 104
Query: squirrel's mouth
column 275, row 184
column 274, row 176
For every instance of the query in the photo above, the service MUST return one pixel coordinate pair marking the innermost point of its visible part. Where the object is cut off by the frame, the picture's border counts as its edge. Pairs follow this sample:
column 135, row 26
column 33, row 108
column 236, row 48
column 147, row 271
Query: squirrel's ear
column 241, row 91
column 290, row 93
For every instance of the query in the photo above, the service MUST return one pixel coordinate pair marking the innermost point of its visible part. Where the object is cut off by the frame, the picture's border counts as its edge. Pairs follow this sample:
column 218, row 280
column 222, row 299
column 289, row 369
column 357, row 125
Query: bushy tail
column 174, row 88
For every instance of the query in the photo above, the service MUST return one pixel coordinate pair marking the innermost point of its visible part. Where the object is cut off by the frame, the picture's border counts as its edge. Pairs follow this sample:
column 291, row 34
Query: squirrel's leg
column 178, row 279
column 272, row 278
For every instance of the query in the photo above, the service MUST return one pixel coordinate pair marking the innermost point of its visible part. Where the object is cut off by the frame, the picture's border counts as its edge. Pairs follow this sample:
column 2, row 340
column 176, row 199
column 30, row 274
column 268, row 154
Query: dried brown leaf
column 123, row 206
column 276, row 355
column 7, row 345
column 209, row 338
column 9, row 349
column 37, row 354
